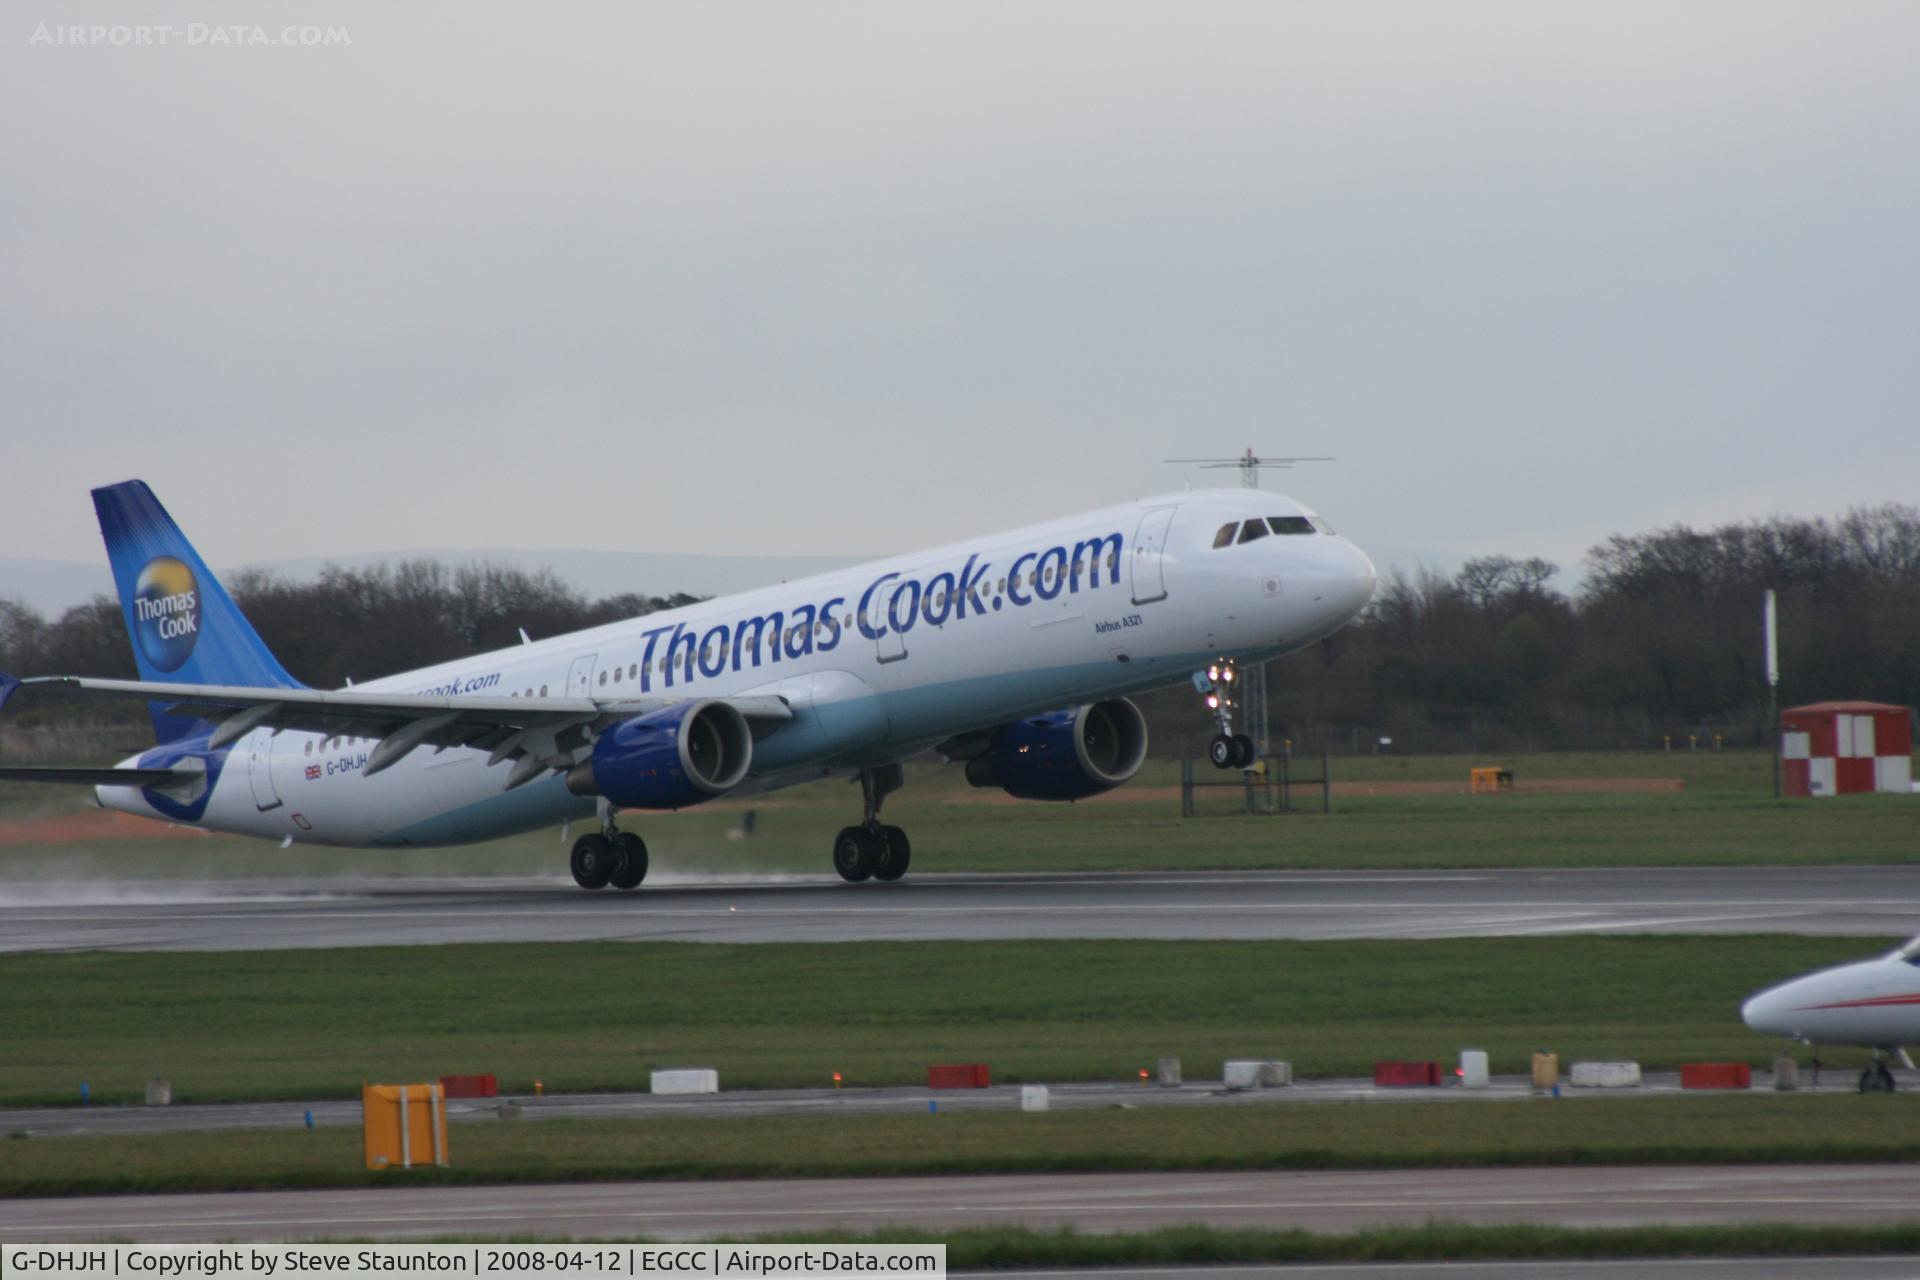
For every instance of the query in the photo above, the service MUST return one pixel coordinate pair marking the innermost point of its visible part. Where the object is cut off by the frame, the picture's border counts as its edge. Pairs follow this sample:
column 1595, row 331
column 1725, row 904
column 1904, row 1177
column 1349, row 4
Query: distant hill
column 53, row 586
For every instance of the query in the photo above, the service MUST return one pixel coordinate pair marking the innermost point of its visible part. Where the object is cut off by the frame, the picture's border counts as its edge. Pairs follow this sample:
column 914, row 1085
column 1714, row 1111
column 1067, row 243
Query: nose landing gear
column 872, row 850
column 1227, row 750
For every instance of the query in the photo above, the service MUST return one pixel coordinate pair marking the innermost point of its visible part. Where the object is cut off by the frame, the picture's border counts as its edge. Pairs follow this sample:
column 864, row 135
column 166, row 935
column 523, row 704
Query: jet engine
column 669, row 759
column 1064, row 755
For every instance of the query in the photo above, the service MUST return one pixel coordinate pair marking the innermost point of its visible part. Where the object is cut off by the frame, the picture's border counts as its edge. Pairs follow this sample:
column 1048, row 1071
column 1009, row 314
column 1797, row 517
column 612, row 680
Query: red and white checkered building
column 1846, row 748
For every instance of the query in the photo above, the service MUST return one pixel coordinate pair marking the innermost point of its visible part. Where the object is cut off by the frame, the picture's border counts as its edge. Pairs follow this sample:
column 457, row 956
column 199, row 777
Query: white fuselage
column 1875, row 1003
column 878, row 662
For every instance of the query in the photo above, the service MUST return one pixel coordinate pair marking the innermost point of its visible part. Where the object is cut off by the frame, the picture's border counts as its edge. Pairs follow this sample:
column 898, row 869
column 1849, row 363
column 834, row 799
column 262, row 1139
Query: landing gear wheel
column 1222, row 751
column 895, row 853
column 593, row 861
column 855, row 852
column 632, row 861
column 1242, row 751
column 1877, row 1078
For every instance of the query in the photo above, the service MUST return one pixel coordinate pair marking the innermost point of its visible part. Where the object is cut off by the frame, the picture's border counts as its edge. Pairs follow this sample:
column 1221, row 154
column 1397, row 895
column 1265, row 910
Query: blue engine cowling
column 669, row 759
column 1064, row 755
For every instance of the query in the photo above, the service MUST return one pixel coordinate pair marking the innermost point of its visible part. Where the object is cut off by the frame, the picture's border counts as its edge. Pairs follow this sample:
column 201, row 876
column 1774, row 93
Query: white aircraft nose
column 1762, row 1013
column 1360, row 576
column 1345, row 584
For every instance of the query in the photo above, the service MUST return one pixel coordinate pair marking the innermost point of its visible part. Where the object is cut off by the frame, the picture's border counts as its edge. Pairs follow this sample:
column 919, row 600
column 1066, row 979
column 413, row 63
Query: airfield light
column 1213, row 702
column 1227, row 675
column 836, row 1079
column 1143, row 1075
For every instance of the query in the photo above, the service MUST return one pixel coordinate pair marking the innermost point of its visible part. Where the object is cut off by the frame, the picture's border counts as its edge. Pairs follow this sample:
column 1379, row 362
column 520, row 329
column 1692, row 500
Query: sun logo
column 166, row 612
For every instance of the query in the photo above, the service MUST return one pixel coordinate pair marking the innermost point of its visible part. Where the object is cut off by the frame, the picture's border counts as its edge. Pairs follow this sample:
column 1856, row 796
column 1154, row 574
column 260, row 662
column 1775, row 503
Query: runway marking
column 1672, row 920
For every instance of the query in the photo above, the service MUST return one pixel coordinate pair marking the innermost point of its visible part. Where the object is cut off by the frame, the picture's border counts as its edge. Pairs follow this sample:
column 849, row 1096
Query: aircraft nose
column 1347, row 580
column 1360, row 577
column 1766, row 1012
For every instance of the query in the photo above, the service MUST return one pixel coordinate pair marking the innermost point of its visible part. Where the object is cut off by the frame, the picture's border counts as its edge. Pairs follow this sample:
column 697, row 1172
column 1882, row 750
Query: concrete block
column 1169, row 1073
column 1242, row 1075
column 1786, row 1073
column 1473, row 1068
column 686, row 1080
column 1275, row 1075
column 1033, row 1097
column 1606, row 1075
column 159, row 1092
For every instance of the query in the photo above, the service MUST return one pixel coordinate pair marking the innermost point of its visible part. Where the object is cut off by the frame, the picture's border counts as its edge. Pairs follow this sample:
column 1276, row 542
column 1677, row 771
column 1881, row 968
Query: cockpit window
column 1290, row 524
column 1224, row 538
column 1323, row 526
column 1251, row 530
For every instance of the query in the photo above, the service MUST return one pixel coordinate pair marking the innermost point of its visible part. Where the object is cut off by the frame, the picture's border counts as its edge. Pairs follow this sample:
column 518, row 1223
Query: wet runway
column 1877, row 903
column 120, row 1121
column 1320, row 1201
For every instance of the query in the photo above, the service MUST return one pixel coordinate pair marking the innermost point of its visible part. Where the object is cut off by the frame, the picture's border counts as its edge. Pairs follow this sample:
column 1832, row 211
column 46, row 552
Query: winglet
column 7, row 685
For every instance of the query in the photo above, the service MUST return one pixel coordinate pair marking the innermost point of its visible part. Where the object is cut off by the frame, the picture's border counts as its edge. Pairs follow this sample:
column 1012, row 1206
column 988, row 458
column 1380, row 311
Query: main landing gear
column 1877, row 1078
column 609, row 857
column 871, row 850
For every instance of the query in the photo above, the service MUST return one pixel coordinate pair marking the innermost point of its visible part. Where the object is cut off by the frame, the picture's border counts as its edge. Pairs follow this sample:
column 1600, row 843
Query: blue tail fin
column 184, row 626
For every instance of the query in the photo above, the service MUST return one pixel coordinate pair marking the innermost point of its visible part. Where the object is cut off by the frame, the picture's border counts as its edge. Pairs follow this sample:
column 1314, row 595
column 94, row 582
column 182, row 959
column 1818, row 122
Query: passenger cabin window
column 1290, row 524
column 1251, row 530
column 1224, row 538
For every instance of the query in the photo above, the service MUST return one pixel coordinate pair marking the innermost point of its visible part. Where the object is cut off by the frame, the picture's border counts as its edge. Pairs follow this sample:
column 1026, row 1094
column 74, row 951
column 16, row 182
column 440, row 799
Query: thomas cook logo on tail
column 166, row 612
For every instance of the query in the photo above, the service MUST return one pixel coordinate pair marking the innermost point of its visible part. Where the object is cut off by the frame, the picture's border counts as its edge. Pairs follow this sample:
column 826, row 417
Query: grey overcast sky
column 831, row 278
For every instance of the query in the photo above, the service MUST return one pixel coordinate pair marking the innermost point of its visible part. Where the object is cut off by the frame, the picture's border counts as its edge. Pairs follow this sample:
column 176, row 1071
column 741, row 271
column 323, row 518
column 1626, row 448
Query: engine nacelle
column 672, row 758
column 1064, row 755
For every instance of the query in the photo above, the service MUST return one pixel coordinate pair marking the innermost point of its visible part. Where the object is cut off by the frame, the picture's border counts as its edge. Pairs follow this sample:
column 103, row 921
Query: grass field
column 1356, row 1135
column 1723, row 815
column 598, row 1016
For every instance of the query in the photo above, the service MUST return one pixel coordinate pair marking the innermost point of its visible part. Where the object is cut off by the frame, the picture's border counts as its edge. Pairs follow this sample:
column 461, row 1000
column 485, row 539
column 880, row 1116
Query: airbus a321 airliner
column 1013, row 653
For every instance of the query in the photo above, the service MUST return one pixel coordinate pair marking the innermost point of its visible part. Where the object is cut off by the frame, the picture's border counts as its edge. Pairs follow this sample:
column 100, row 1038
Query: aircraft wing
column 538, row 733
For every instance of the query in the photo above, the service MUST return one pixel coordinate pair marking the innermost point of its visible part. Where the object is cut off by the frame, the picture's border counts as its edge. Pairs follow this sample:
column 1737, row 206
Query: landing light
column 1213, row 703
